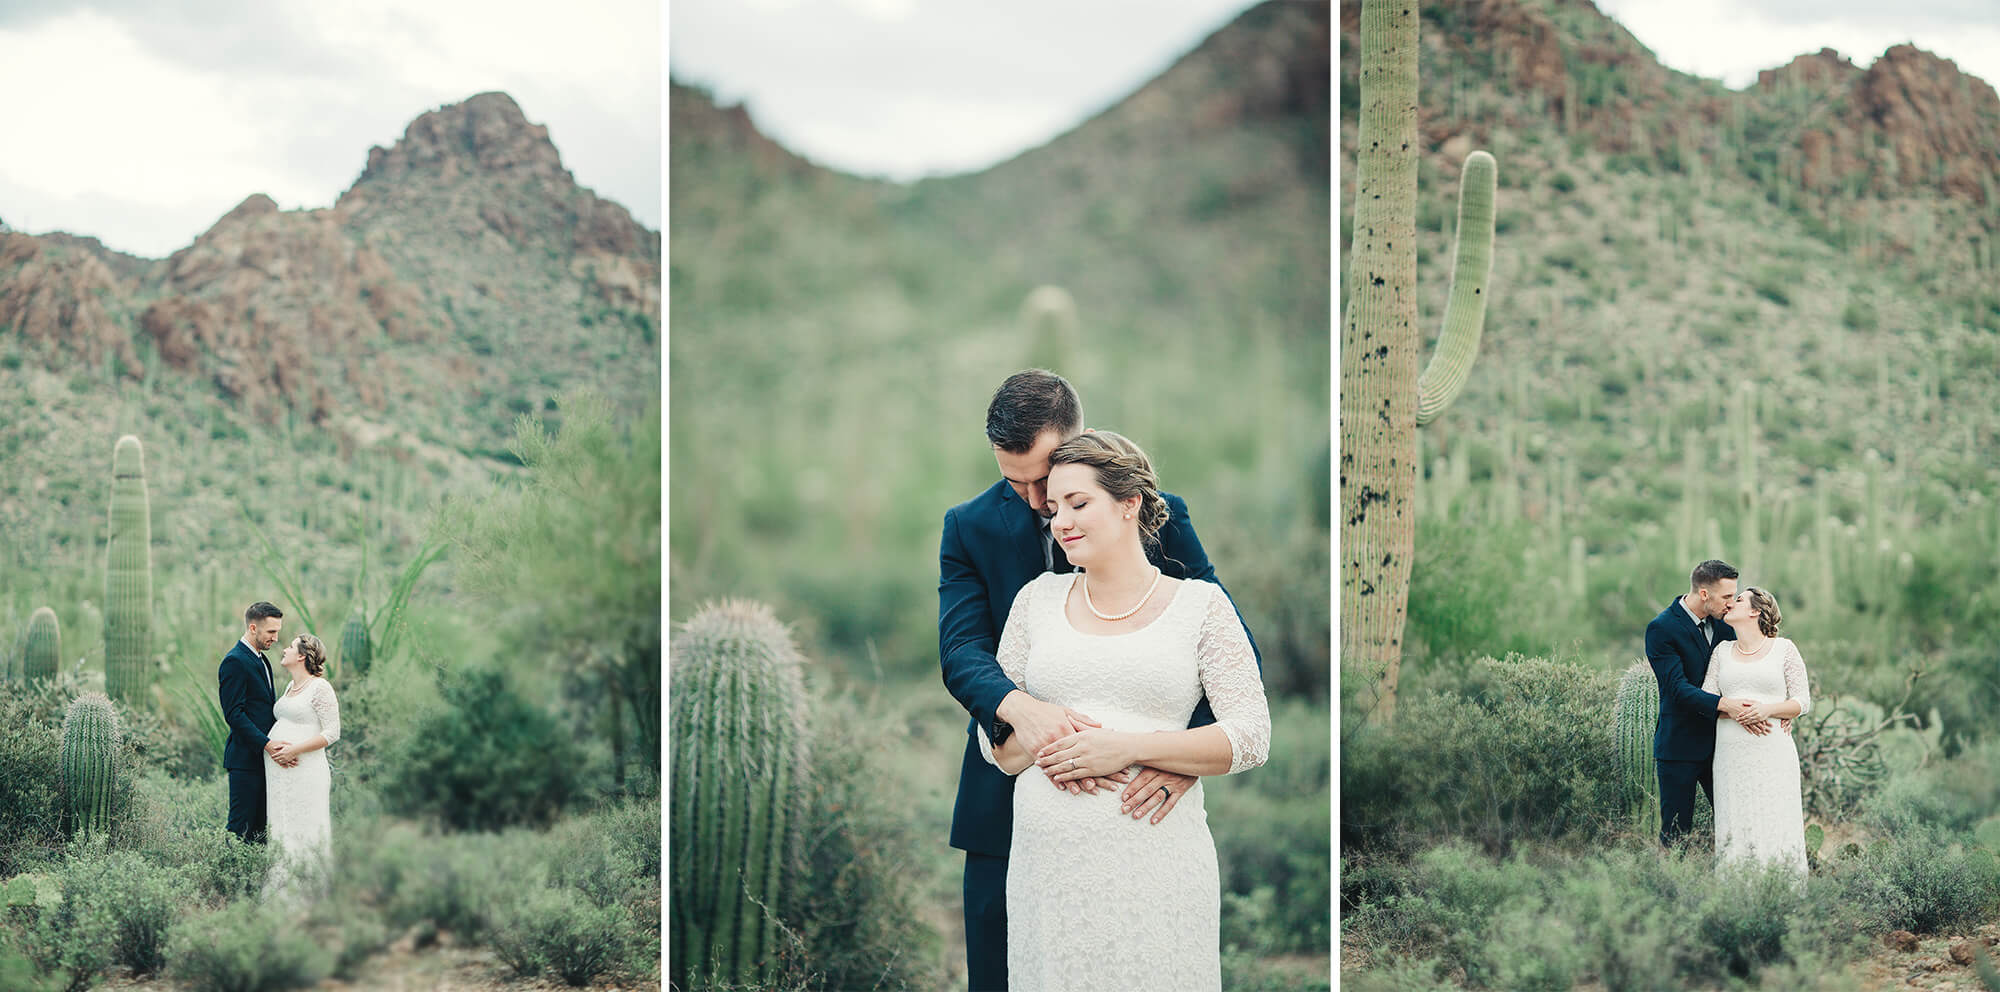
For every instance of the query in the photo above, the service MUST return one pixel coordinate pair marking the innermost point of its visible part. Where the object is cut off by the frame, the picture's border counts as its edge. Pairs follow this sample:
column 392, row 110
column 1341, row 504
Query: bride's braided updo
column 1124, row 472
column 313, row 654
column 1766, row 607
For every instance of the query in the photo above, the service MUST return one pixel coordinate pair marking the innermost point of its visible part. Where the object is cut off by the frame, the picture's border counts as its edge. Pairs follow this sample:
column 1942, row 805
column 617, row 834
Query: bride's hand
column 1086, row 754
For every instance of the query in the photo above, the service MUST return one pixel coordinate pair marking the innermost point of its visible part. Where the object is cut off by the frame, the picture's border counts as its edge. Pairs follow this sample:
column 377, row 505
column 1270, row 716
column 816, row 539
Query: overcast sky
column 904, row 88
column 1733, row 39
column 143, row 121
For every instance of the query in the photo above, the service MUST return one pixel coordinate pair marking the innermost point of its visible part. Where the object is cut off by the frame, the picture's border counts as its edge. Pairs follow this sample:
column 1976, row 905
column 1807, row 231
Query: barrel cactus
column 1382, row 399
column 354, row 645
column 90, row 761
column 1634, row 718
column 128, row 577
column 739, row 763
column 41, row 646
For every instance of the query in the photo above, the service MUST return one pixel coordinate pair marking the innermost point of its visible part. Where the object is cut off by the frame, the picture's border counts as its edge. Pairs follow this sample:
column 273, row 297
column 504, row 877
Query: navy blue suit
column 245, row 689
column 1684, row 740
column 992, row 546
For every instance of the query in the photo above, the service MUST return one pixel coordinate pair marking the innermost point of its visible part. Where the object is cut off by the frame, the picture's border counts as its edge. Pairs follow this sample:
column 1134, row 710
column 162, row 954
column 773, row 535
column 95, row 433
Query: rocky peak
column 486, row 133
column 1824, row 71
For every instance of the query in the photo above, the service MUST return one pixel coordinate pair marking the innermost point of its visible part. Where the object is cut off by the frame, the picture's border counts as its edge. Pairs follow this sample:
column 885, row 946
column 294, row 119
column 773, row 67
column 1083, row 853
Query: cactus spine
column 1382, row 399
column 90, row 761
column 1634, row 719
column 354, row 645
column 128, row 577
column 738, row 728
column 41, row 646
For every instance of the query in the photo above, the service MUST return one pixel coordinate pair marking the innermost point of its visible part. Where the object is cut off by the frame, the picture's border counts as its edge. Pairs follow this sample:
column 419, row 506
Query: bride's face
column 291, row 655
column 1739, row 608
column 1088, row 523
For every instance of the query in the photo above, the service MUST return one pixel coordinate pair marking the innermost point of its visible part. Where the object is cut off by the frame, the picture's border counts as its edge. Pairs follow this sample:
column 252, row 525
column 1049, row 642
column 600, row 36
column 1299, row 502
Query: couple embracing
column 279, row 780
column 1730, row 688
column 1106, row 671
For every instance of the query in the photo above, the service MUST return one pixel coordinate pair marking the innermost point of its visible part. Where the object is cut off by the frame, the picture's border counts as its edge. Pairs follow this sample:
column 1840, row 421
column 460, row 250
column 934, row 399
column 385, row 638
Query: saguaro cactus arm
column 1465, row 312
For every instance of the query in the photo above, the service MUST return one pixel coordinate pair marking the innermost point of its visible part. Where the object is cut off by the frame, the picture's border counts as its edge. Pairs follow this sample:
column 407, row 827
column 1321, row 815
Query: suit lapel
column 1022, row 531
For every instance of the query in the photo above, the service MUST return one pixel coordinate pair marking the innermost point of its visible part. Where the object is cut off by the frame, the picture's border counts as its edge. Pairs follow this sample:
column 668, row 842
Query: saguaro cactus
column 1634, row 718
column 354, row 645
column 128, row 577
column 90, row 761
column 739, row 756
column 41, row 646
column 1382, row 399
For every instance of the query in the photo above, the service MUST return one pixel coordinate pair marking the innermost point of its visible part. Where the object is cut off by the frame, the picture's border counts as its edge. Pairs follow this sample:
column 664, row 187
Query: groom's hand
column 1156, row 792
column 1038, row 724
column 1744, row 712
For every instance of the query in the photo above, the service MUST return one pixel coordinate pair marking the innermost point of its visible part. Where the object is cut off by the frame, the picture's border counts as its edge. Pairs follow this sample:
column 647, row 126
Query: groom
column 994, row 544
column 245, row 689
column 1679, row 643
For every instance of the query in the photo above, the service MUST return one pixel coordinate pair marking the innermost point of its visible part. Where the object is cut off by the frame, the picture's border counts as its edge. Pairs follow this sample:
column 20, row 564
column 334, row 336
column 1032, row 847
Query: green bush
column 31, row 803
column 484, row 760
column 137, row 897
column 451, row 882
column 245, row 948
column 1524, row 754
column 1923, row 878
column 560, row 931
column 860, row 920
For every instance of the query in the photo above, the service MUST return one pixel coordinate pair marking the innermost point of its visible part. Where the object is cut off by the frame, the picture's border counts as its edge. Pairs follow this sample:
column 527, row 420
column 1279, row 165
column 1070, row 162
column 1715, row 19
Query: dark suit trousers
column 246, row 804
column 985, row 922
column 1677, row 782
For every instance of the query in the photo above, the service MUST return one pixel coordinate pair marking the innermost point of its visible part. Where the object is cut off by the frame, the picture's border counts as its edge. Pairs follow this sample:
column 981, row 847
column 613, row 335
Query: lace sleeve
column 1235, row 690
column 1795, row 678
column 1013, row 655
column 328, row 708
column 1713, row 682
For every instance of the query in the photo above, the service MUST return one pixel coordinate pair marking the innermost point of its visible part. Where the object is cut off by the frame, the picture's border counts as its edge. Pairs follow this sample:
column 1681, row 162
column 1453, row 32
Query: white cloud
column 940, row 87
column 150, row 121
column 1732, row 41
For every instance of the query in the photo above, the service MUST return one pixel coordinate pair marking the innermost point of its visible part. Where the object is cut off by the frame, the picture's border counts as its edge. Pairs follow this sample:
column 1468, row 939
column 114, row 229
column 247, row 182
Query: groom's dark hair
column 1710, row 572
column 260, row 611
column 1029, row 403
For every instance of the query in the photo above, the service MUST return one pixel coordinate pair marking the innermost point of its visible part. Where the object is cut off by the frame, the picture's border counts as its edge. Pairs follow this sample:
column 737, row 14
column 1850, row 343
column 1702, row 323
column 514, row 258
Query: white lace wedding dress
column 296, row 798
column 1759, row 814
column 1095, row 898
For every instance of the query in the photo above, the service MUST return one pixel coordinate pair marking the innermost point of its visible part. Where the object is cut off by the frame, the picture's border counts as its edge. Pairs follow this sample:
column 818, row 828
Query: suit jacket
column 1679, row 658
column 246, row 691
column 992, row 546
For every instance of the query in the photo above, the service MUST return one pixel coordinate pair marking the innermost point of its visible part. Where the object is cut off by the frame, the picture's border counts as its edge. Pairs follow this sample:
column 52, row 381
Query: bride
column 1759, row 815
column 1137, row 651
column 298, row 779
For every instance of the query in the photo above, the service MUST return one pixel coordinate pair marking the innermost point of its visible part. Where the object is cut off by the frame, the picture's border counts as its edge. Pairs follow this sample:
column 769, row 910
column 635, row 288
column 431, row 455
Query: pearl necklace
column 1136, row 607
column 1752, row 654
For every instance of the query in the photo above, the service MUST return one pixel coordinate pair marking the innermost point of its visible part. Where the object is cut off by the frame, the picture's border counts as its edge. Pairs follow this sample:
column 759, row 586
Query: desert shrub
column 1524, row 754
column 612, row 856
column 122, row 898
column 244, row 948
column 450, row 882
column 1920, row 876
column 560, row 931
column 485, row 759
column 859, row 919
column 31, row 805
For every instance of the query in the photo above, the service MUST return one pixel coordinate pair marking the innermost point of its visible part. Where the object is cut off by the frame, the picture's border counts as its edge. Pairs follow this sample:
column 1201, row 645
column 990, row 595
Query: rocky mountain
column 462, row 276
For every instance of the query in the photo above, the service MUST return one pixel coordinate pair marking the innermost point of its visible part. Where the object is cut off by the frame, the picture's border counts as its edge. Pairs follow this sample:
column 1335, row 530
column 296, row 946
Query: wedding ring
column 1165, row 793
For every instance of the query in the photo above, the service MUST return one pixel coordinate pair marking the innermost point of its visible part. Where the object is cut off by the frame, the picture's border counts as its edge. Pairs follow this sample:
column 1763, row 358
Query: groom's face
column 1715, row 599
column 1028, row 471
column 265, row 633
